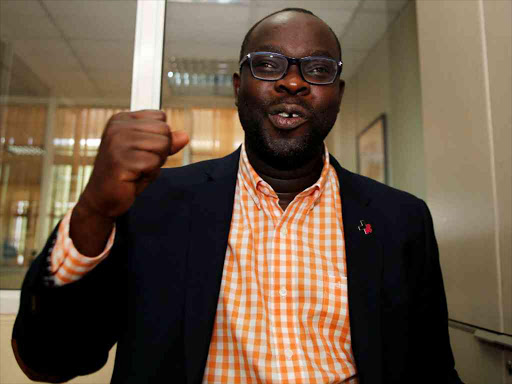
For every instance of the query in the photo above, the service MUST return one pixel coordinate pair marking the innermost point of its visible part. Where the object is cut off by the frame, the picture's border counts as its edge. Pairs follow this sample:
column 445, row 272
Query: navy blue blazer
column 156, row 294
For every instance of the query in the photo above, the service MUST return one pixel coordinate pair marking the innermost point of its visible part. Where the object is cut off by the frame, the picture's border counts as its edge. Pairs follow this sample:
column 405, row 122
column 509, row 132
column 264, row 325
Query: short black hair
column 300, row 10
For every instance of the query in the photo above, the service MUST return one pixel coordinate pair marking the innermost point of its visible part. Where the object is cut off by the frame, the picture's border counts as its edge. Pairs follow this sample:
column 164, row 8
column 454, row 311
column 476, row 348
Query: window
column 66, row 67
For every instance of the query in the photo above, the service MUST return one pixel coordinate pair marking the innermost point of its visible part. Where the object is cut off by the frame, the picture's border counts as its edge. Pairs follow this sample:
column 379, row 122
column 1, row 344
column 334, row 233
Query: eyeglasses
column 270, row 66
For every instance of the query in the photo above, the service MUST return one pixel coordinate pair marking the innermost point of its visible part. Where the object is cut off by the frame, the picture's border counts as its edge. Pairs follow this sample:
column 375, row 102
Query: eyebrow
column 276, row 49
column 322, row 53
column 269, row 48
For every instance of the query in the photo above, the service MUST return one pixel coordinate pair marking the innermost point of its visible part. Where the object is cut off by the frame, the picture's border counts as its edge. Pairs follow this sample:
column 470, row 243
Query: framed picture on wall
column 371, row 150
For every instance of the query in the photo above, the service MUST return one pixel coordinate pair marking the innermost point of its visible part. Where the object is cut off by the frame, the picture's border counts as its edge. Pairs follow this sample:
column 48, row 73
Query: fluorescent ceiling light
column 25, row 150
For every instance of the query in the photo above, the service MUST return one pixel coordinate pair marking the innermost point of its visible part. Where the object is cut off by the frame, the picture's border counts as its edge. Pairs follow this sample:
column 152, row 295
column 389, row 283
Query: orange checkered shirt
column 282, row 314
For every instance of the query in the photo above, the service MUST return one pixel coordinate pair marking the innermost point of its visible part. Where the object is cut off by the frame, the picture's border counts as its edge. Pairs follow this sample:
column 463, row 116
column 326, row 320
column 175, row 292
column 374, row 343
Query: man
column 273, row 264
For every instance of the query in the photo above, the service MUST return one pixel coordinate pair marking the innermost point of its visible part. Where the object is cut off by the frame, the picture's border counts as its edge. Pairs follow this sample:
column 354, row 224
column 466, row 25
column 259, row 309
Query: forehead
column 293, row 34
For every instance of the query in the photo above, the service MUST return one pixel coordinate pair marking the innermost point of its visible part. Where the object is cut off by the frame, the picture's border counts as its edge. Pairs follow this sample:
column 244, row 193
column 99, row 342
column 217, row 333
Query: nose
column 293, row 83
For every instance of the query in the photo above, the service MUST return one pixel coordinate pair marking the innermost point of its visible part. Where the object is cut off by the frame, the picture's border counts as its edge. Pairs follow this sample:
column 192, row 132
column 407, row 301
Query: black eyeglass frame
column 292, row 60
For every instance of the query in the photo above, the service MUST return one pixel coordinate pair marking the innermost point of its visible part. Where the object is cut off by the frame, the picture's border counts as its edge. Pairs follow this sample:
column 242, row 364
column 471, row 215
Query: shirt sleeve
column 66, row 264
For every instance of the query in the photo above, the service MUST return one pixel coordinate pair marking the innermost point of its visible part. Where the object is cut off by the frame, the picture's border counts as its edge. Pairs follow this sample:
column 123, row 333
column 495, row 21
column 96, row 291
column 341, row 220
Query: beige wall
column 442, row 74
column 387, row 82
column 467, row 128
column 476, row 363
column 465, row 59
column 10, row 373
column 498, row 37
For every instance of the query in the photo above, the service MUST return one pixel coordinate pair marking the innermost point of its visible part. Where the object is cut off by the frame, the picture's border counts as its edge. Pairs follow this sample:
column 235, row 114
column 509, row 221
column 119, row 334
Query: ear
column 236, row 86
column 342, row 89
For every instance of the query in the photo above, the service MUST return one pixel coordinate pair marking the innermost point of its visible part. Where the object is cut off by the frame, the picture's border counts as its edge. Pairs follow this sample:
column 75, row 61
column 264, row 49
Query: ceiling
column 83, row 49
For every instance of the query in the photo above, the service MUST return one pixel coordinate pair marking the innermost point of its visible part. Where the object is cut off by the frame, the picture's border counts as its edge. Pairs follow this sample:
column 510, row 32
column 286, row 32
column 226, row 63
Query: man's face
column 288, row 142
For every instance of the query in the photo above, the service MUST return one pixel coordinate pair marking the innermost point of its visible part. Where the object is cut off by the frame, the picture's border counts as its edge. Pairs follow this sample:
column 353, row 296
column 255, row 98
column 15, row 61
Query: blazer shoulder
column 193, row 174
column 170, row 200
column 395, row 208
column 399, row 209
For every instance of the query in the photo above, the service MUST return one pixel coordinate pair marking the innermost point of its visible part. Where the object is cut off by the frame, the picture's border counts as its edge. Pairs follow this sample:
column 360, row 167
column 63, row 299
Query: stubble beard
column 284, row 153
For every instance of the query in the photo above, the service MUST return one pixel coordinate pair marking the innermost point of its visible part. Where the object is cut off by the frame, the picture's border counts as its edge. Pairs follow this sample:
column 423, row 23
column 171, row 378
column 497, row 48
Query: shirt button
column 288, row 353
column 283, row 292
column 284, row 231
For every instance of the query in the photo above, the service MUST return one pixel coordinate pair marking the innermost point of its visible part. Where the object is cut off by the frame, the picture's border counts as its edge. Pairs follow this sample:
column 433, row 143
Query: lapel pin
column 366, row 228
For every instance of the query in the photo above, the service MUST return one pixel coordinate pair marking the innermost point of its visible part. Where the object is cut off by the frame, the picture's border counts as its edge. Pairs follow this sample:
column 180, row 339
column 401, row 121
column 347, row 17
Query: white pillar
column 46, row 176
column 148, row 53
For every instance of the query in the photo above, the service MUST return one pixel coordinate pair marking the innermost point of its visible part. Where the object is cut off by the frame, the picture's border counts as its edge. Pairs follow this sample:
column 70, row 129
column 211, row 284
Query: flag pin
column 366, row 228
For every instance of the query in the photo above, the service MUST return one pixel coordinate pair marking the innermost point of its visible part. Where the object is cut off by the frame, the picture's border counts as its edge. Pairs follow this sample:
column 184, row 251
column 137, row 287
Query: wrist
column 85, row 212
column 89, row 229
column 87, row 207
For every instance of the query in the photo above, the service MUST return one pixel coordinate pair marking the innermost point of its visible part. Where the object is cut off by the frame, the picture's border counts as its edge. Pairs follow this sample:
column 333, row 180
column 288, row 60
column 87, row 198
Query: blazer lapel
column 212, row 208
column 364, row 268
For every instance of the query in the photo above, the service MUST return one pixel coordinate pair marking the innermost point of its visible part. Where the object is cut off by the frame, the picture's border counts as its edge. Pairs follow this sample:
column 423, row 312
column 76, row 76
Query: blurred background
column 427, row 109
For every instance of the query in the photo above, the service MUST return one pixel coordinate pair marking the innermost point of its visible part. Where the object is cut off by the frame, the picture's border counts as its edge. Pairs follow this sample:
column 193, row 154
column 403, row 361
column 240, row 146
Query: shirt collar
column 256, row 186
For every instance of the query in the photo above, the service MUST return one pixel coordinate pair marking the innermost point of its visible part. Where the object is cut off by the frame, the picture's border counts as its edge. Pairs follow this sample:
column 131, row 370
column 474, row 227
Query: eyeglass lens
column 271, row 67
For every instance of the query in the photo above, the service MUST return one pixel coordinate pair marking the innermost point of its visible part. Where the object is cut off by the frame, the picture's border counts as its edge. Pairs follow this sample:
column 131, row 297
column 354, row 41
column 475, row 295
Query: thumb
column 179, row 140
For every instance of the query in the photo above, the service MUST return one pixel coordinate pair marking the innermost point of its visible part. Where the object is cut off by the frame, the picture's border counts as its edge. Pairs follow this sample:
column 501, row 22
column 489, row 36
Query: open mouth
column 287, row 116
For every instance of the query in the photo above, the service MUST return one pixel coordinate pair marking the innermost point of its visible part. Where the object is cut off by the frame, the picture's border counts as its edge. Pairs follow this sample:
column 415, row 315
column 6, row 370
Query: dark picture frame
column 371, row 150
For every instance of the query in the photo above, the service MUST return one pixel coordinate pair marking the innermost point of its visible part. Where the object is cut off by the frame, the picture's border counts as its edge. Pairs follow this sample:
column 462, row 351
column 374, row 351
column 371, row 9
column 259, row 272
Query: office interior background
column 435, row 74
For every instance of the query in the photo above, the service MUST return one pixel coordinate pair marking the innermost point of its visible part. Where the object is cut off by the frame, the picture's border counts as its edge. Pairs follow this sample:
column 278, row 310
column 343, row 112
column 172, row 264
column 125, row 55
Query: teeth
column 285, row 114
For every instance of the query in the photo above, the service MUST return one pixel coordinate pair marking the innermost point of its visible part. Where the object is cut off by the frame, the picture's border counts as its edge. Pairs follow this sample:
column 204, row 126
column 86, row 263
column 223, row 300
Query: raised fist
column 133, row 147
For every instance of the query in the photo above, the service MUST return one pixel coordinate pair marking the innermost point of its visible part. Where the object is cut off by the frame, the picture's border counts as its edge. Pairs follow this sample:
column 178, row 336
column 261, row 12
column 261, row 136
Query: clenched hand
column 133, row 147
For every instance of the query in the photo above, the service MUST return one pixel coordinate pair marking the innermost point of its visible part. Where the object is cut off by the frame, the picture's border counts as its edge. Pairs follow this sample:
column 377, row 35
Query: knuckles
column 133, row 150
column 147, row 162
column 134, row 146
column 147, row 125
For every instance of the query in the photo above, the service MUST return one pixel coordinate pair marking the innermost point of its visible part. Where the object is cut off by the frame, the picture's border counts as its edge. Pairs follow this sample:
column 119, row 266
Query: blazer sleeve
column 434, row 357
column 63, row 332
